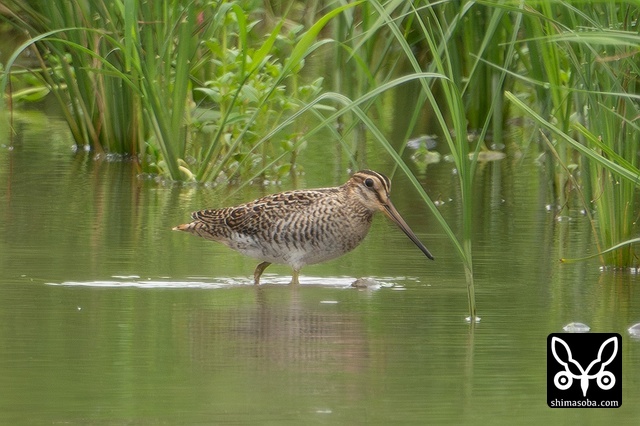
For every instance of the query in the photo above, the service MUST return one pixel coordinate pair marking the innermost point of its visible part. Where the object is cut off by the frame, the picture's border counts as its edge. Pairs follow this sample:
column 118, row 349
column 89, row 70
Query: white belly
column 297, row 252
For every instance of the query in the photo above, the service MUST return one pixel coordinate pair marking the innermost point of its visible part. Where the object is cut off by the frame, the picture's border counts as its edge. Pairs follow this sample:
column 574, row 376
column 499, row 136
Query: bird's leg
column 294, row 278
column 258, row 272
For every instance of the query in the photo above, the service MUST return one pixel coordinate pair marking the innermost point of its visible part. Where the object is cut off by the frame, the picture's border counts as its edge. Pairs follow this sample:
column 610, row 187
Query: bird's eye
column 368, row 183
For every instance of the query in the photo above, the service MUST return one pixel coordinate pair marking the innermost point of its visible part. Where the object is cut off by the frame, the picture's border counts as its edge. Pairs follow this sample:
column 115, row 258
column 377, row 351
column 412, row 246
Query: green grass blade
column 614, row 168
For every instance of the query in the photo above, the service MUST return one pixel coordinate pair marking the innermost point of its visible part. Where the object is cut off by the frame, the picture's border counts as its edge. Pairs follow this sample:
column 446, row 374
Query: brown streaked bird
column 302, row 227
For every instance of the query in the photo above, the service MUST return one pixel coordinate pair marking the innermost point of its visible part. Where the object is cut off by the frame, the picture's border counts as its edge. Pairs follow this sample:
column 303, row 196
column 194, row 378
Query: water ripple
column 126, row 281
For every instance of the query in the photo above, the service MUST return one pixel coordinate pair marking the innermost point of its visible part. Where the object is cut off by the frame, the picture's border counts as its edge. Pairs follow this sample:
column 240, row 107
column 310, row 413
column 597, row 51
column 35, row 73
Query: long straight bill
column 393, row 214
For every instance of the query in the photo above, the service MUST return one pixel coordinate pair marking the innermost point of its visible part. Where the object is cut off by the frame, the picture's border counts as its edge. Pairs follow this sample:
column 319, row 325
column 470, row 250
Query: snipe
column 302, row 227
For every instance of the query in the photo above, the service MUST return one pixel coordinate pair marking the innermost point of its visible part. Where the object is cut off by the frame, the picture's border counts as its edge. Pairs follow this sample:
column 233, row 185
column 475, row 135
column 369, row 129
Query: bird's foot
column 258, row 272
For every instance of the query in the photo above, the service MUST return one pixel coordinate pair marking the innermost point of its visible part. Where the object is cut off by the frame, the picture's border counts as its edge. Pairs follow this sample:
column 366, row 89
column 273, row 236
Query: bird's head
column 372, row 190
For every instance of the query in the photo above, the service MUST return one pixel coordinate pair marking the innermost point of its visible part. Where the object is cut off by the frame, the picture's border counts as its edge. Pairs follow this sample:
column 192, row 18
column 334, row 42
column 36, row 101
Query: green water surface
column 108, row 317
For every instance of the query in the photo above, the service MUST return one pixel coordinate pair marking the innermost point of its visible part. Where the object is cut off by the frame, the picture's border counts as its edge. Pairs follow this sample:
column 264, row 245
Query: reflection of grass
column 21, row 125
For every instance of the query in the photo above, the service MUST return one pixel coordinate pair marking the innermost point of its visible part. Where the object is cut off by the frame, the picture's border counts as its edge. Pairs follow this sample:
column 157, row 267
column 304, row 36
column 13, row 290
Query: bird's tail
column 184, row 227
column 197, row 228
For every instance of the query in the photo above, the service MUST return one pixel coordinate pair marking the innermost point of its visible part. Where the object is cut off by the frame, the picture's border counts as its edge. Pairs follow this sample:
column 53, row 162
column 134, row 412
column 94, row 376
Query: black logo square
column 584, row 370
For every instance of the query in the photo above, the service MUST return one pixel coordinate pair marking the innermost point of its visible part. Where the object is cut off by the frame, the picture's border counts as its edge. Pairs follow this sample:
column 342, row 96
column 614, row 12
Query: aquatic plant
column 119, row 88
column 428, row 38
column 224, row 104
column 180, row 86
column 362, row 80
column 360, row 111
column 244, row 95
column 588, row 104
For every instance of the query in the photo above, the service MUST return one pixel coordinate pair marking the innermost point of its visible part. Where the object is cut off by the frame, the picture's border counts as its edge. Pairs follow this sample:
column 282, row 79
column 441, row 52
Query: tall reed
column 437, row 29
column 194, row 93
column 592, row 95
column 120, row 71
column 183, row 86
column 449, row 110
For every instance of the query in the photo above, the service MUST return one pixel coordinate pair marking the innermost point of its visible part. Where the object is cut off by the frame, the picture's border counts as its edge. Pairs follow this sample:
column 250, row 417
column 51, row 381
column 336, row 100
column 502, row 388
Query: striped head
column 372, row 190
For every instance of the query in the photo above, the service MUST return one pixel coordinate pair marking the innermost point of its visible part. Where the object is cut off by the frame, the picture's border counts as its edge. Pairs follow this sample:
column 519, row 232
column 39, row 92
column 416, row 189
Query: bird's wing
column 258, row 215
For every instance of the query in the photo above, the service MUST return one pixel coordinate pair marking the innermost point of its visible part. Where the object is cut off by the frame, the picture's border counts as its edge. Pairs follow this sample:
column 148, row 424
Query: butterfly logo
column 564, row 379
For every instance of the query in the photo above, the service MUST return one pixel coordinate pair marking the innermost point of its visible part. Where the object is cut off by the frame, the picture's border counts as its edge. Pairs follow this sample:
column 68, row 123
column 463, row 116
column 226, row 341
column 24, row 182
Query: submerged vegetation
column 212, row 91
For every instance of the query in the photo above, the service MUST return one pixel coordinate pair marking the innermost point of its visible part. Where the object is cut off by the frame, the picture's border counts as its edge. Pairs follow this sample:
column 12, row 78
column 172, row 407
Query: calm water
column 108, row 317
